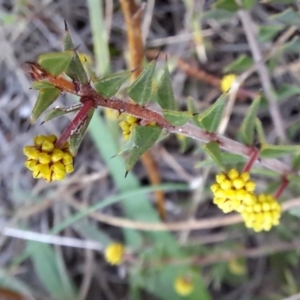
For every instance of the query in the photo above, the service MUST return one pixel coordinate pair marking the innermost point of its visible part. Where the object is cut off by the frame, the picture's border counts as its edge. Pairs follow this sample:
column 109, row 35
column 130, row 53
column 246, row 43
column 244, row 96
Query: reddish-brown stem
column 283, row 185
column 146, row 114
column 79, row 118
column 252, row 158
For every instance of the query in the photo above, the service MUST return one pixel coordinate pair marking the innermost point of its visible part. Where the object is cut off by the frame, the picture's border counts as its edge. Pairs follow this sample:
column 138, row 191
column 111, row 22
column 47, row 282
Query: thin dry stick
column 207, row 223
column 263, row 73
column 88, row 273
column 51, row 239
column 132, row 15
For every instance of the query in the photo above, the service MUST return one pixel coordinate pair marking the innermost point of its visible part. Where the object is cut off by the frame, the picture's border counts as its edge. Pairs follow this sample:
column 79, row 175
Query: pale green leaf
column 60, row 111
column 226, row 5
column 177, row 118
column 213, row 150
column 109, row 85
column 143, row 137
column 141, row 89
column 266, row 33
column 55, row 63
column 165, row 94
column 45, row 98
column 274, row 151
column 288, row 17
column 242, row 63
column 211, row 118
column 248, row 125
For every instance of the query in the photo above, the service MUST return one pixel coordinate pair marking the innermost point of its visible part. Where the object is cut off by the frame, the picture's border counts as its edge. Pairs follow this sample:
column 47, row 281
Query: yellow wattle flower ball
column 114, row 253
column 127, row 126
column 226, row 82
column 232, row 191
column 46, row 161
column 263, row 214
column 183, row 286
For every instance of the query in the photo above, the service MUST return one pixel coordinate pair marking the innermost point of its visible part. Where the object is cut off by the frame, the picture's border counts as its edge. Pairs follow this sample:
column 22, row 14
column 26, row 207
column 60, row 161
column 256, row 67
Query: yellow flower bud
column 47, row 162
column 226, row 82
column 183, row 286
column 114, row 253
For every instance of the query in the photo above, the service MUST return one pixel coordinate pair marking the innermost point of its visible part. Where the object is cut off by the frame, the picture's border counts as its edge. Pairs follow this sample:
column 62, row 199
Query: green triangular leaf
column 41, row 85
column 274, row 151
column 59, row 111
column 144, row 137
column 260, row 132
column 213, row 150
column 286, row 91
column 211, row 118
column 109, row 85
column 45, row 98
column 55, row 63
column 226, row 5
column 165, row 94
column 77, row 136
column 192, row 109
column 248, row 125
column 296, row 162
column 221, row 15
column 292, row 46
column 248, row 4
column 288, row 17
column 68, row 43
column 227, row 158
column 242, row 63
column 177, row 118
column 75, row 70
column 267, row 33
column 141, row 89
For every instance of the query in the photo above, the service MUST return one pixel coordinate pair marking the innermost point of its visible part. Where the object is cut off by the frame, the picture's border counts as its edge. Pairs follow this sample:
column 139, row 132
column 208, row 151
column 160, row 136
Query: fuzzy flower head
column 226, row 82
column 114, row 253
column 233, row 190
column 183, row 286
column 263, row 214
column 46, row 161
column 127, row 126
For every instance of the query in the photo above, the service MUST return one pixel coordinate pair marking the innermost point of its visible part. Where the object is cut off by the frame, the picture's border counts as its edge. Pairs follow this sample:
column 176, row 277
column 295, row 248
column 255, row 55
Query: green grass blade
column 100, row 39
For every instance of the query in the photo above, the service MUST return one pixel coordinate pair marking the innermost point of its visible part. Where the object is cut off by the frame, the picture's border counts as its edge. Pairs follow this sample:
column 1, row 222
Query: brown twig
column 207, row 223
column 132, row 16
column 146, row 114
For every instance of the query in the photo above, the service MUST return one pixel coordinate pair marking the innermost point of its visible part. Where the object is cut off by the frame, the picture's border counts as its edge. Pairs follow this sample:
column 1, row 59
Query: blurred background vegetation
column 53, row 234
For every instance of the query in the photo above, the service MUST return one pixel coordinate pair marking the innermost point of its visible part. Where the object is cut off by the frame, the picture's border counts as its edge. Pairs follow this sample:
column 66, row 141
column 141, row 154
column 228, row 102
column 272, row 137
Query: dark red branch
column 252, row 159
column 75, row 123
column 282, row 187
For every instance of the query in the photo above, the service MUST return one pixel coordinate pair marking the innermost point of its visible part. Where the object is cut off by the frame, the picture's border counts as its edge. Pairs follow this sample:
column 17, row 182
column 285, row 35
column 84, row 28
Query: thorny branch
column 86, row 91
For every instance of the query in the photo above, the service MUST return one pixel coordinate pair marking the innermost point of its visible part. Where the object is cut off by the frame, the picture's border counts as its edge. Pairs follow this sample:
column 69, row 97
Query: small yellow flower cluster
column 235, row 192
column 46, row 161
column 114, row 253
column 226, row 82
column 262, row 215
column 183, row 286
column 127, row 126
column 232, row 191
